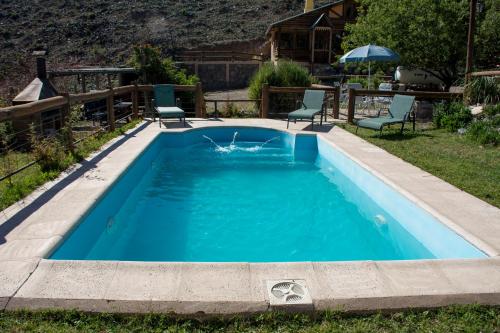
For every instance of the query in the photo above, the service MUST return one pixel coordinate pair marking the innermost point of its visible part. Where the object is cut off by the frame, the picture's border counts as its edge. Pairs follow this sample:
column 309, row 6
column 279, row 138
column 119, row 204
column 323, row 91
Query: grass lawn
column 451, row 319
column 449, row 156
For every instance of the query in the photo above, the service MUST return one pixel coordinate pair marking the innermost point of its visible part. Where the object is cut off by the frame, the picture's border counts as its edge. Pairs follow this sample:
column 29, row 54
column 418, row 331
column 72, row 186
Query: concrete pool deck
column 29, row 230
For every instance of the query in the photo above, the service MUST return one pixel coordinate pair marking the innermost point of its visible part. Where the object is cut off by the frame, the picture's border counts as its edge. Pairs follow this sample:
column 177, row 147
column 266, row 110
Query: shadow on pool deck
column 85, row 165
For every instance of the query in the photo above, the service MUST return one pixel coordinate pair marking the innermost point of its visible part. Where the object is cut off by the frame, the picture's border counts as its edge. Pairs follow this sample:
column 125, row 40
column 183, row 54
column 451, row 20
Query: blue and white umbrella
column 369, row 53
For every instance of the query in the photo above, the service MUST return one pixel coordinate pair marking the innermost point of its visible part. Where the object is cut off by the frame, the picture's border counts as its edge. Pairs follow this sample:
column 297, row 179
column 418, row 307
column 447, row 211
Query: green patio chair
column 399, row 113
column 312, row 104
column 165, row 104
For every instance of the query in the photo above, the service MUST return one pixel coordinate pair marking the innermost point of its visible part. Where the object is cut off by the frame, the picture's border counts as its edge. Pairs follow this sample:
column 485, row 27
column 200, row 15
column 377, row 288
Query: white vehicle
column 416, row 77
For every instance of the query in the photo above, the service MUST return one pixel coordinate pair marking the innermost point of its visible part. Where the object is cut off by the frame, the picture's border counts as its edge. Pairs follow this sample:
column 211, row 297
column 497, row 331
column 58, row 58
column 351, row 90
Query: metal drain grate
column 288, row 293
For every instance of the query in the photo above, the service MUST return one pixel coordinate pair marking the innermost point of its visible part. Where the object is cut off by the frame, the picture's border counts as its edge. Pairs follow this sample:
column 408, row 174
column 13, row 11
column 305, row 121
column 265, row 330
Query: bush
column 484, row 132
column 492, row 110
column 452, row 116
column 49, row 152
column 283, row 74
column 232, row 110
column 484, row 89
column 153, row 69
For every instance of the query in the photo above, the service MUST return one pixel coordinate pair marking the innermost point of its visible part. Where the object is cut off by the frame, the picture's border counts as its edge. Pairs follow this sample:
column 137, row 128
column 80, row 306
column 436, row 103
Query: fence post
column 111, row 110
column 147, row 105
column 135, row 101
column 198, row 101
column 351, row 106
column 336, row 103
column 265, row 100
column 66, row 122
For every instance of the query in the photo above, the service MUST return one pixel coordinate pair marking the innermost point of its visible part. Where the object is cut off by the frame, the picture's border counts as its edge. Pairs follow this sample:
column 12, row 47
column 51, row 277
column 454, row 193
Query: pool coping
column 29, row 281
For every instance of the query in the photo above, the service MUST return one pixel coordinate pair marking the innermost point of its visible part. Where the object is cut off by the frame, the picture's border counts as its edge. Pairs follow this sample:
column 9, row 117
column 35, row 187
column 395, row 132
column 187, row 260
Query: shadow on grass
column 75, row 174
column 397, row 136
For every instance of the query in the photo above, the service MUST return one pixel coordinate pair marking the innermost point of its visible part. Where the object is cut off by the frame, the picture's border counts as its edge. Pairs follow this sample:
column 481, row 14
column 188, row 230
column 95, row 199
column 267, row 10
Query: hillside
column 102, row 31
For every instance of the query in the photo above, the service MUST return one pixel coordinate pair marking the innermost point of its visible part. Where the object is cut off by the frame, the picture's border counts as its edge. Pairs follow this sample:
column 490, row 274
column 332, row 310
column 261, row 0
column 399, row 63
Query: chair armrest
column 384, row 109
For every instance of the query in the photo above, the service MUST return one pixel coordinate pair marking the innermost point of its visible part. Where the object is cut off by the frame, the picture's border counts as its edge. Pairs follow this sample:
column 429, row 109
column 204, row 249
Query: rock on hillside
column 103, row 31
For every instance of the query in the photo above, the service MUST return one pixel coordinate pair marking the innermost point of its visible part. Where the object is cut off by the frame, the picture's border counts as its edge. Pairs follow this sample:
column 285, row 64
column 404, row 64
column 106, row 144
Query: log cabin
column 313, row 37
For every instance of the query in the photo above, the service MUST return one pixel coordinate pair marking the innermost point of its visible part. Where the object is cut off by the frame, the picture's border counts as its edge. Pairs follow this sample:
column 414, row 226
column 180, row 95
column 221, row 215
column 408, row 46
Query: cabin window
column 286, row 40
column 303, row 40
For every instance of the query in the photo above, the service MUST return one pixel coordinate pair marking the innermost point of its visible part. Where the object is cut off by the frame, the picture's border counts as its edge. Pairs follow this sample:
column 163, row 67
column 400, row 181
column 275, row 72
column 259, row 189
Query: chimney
column 41, row 68
column 309, row 6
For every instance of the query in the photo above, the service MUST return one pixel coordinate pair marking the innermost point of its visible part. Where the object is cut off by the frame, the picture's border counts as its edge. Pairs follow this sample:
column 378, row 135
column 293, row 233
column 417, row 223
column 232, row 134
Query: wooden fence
column 65, row 101
column 218, row 56
column 267, row 91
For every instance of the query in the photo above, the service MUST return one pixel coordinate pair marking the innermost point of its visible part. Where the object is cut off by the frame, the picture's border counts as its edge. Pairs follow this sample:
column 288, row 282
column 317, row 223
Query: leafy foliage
column 484, row 132
column 283, row 74
column 488, row 35
column 154, row 69
column 232, row 110
column 452, row 116
column 426, row 33
column 49, row 152
column 483, row 89
column 492, row 110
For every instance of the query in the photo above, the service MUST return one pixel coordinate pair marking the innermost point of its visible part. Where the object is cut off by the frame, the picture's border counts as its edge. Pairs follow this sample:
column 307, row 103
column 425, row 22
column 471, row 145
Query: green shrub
column 283, row 74
column 153, row 69
column 49, row 152
column 361, row 80
column 492, row 110
column 452, row 116
column 484, row 132
column 483, row 89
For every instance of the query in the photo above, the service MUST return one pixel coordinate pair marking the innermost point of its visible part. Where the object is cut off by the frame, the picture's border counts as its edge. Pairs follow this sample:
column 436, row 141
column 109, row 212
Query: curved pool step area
column 359, row 228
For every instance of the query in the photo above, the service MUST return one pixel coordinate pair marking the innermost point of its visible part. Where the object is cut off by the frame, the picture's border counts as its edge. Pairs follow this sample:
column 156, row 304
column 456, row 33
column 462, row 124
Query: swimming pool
column 261, row 195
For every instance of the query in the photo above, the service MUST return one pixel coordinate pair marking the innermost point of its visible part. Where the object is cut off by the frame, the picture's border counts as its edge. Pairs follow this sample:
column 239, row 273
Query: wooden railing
column 486, row 73
column 267, row 91
column 419, row 95
column 64, row 102
column 209, row 56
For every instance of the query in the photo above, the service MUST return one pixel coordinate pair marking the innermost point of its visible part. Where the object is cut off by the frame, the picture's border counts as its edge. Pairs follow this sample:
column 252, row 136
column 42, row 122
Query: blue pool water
column 295, row 198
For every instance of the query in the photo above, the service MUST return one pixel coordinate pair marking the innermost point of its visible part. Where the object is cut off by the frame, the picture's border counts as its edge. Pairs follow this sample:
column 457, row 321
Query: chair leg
column 402, row 127
column 184, row 124
column 287, row 123
column 312, row 124
column 159, row 122
column 357, row 129
column 321, row 119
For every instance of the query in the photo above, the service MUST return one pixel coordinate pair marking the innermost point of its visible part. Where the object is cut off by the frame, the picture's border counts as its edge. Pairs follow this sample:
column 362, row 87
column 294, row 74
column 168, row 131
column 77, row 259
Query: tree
column 153, row 69
column 430, row 34
column 488, row 39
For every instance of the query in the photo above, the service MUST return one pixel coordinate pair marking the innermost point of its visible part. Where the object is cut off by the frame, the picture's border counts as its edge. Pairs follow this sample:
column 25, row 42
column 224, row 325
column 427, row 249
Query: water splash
column 233, row 147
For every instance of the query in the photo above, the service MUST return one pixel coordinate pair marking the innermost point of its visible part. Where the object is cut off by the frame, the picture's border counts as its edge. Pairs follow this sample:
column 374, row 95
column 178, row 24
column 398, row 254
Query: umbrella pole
column 369, row 74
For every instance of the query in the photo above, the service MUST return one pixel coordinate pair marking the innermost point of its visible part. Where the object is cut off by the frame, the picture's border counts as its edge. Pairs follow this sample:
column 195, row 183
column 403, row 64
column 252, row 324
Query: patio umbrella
column 369, row 53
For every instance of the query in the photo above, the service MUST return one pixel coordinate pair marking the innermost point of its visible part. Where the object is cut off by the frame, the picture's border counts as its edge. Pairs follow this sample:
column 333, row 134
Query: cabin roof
column 308, row 18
